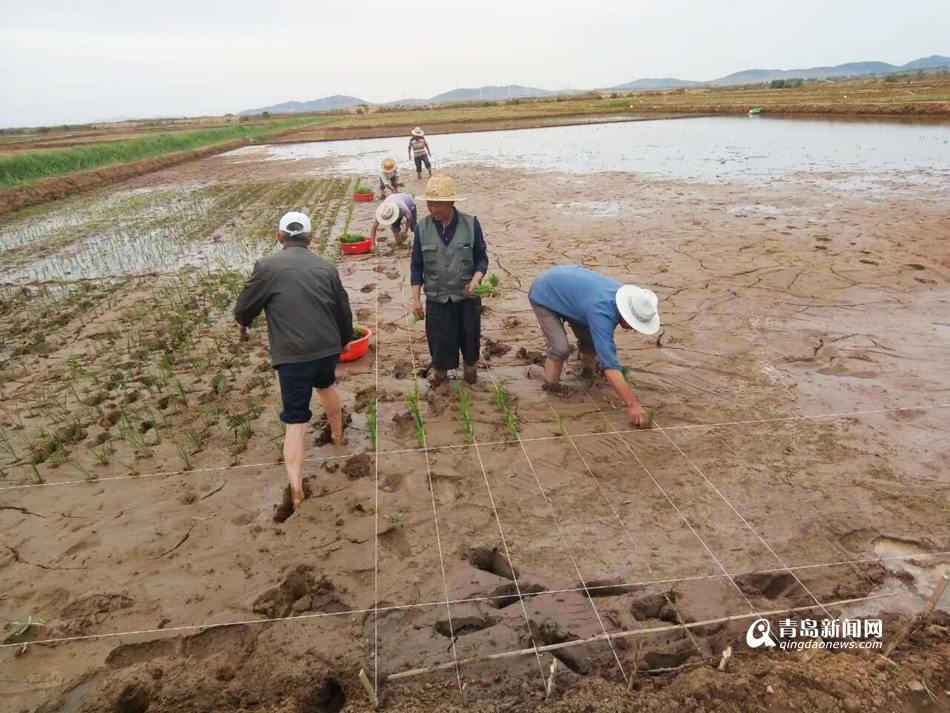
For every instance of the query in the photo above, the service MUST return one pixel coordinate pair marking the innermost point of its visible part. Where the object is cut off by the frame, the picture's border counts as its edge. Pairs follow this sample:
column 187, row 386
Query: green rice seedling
column 181, row 390
column 18, row 627
column 184, row 457
column 34, row 471
column 371, row 420
column 352, row 238
column 503, row 401
column 488, row 287
column 362, row 190
column 651, row 417
column 102, row 452
column 6, row 446
column 82, row 470
column 219, row 383
column 560, row 425
column 197, row 439
column 465, row 413
column 412, row 401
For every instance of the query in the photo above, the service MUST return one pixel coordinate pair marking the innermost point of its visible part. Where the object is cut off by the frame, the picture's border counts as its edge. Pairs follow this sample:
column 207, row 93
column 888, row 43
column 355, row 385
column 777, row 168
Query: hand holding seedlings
column 486, row 289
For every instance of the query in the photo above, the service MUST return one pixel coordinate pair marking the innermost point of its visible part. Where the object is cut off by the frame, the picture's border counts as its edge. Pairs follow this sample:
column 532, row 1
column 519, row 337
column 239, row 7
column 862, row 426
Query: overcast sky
column 63, row 61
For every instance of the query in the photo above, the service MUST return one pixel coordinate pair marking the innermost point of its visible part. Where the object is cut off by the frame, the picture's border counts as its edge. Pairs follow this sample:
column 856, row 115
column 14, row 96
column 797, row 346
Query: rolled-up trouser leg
column 552, row 327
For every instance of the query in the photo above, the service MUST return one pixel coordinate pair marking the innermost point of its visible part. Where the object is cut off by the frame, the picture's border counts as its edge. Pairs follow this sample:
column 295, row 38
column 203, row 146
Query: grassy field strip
column 33, row 165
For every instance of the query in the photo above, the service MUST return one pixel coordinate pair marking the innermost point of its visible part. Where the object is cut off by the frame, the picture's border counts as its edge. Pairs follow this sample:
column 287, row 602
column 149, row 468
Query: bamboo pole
column 931, row 604
column 411, row 673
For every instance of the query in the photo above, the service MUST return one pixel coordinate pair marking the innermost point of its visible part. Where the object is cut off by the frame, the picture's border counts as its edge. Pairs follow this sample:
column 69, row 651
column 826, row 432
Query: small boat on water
column 754, row 111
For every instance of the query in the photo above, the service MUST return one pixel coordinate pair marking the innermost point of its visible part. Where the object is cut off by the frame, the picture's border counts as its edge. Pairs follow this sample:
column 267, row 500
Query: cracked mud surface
column 828, row 304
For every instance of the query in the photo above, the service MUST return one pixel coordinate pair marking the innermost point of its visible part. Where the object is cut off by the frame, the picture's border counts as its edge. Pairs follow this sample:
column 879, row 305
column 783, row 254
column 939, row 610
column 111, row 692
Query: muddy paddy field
column 799, row 459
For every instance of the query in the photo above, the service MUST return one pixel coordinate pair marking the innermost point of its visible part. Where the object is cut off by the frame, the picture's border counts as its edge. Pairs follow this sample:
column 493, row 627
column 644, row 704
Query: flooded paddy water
column 801, row 453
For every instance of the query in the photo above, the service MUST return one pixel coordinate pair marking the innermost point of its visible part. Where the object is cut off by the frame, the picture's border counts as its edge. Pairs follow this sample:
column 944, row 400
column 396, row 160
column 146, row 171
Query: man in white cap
column 593, row 305
column 449, row 260
column 398, row 212
column 309, row 324
column 419, row 151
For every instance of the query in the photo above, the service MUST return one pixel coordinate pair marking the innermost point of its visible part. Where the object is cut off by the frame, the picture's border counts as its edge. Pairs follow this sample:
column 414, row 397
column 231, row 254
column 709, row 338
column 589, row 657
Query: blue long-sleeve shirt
column 446, row 233
column 583, row 297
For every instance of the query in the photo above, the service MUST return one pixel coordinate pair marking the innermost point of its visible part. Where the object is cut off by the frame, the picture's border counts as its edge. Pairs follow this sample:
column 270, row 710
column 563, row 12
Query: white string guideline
column 435, row 514
column 564, row 542
column 468, row 600
column 376, row 488
column 615, row 432
column 623, row 525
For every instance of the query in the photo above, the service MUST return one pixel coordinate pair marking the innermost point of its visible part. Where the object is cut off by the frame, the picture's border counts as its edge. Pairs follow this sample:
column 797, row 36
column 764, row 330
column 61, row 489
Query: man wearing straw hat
column 309, row 324
column 419, row 151
column 593, row 305
column 388, row 177
column 392, row 212
column 449, row 260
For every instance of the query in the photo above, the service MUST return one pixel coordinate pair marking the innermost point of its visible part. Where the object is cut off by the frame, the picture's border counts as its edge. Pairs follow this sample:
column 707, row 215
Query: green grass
column 33, row 165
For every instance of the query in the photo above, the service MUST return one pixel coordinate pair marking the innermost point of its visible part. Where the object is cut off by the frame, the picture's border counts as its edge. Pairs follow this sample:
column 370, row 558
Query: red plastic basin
column 358, row 347
column 363, row 197
column 357, row 248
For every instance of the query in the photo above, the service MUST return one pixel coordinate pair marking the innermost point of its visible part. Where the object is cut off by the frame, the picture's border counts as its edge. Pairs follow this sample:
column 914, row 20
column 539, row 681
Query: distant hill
column 490, row 93
column 516, row 91
column 337, row 101
column 649, row 84
column 851, row 69
column 934, row 61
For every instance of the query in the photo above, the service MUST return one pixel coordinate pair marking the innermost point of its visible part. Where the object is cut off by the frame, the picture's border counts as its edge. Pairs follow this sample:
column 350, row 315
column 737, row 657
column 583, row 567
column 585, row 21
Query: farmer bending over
column 420, row 152
column 388, row 177
column 593, row 305
column 392, row 212
column 308, row 325
column 449, row 259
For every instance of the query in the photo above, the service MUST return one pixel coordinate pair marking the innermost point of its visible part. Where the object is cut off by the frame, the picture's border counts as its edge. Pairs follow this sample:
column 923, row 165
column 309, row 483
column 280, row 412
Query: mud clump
column 300, row 592
column 530, row 356
column 504, row 595
column 326, row 697
column 324, row 432
column 493, row 348
column 134, row 698
column 358, row 466
column 402, row 369
column 655, row 606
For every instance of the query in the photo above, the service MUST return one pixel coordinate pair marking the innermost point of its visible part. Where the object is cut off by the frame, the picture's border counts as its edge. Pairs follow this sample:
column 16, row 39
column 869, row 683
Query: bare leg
column 552, row 371
column 294, row 440
column 588, row 365
column 330, row 400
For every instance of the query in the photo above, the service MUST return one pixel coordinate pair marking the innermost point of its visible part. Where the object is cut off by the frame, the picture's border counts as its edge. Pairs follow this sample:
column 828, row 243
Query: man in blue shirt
column 593, row 305
column 449, row 260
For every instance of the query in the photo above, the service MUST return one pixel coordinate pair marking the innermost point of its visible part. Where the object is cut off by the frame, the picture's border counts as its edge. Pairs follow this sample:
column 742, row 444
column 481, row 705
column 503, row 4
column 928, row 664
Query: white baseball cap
column 294, row 224
column 638, row 307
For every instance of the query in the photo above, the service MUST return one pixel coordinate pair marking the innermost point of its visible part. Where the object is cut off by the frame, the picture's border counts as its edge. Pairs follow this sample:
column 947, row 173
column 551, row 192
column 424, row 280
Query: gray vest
column 447, row 269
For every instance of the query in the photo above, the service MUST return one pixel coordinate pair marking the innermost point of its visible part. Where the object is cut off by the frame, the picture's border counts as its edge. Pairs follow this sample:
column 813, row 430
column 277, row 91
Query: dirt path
column 802, row 392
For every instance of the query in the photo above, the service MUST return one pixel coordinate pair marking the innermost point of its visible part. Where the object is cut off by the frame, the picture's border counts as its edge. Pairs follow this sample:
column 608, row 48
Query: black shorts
column 424, row 159
column 453, row 327
column 297, row 382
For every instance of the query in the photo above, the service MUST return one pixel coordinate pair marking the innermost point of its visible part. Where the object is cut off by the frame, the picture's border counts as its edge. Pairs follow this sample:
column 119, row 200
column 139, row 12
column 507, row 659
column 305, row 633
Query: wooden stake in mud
column 549, row 690
column 636, row 665
column 928, row 611
column 370, row 691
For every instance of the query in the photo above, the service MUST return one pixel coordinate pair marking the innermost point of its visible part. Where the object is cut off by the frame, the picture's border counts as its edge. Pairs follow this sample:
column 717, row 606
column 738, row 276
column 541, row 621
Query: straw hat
column 388, row 164
column 441, row 188
column 387, row 213
column 638, row 307
column 418, row 132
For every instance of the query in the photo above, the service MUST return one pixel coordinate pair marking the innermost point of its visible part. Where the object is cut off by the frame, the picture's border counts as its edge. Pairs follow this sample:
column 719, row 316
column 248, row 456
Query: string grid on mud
column 397, row 451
